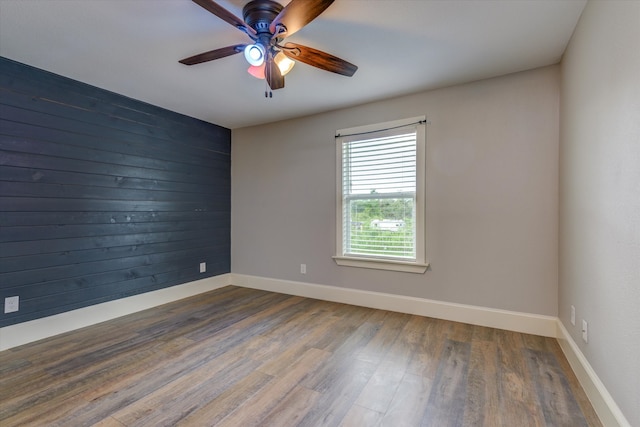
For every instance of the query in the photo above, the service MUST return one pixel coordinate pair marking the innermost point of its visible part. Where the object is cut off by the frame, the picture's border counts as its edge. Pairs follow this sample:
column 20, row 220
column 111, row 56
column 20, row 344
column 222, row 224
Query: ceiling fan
column 268, row 23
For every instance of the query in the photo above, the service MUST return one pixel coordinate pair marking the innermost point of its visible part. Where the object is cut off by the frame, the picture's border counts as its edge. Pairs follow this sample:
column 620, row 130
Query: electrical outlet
column 303, row 268
column 203, row 267
column 585, row 331
column 11, row 304
column 573, row 315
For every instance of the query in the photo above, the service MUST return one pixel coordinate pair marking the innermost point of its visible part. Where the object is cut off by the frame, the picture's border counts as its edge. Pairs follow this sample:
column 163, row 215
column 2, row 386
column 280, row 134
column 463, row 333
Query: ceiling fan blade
column 213, row 54
column 273, row 76
column 225, row 15
column 319, row 59
column 297, row 14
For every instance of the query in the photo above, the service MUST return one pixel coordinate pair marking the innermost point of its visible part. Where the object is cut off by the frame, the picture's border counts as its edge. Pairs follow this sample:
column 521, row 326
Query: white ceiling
column 132, row 47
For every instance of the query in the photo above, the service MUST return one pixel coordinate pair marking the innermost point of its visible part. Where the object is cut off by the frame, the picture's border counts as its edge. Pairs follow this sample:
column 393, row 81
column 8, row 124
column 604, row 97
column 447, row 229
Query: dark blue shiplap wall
column 103, row 196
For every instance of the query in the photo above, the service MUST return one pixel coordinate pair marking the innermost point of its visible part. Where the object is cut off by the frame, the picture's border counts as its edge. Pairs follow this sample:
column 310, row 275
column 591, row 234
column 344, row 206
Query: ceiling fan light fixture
column 284, row 64
column 257, row 71
column 254, row 54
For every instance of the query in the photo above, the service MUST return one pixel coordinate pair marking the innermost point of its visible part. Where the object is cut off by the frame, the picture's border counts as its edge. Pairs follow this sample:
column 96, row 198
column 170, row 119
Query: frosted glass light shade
column 257, row 72
column 254, row 54
column 284, row 64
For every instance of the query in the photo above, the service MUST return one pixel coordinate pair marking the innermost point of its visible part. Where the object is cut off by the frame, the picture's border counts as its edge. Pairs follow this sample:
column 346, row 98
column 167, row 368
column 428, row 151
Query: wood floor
column 242, row 357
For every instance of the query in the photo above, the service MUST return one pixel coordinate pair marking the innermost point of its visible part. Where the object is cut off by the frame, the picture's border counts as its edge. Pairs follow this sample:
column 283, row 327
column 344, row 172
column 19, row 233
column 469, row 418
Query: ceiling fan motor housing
column 258, row 14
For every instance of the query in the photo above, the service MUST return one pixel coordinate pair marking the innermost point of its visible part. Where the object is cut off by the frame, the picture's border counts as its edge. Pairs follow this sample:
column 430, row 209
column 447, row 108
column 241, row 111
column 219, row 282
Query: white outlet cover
column 585, row 331
column 203, row 267
column 11, row 304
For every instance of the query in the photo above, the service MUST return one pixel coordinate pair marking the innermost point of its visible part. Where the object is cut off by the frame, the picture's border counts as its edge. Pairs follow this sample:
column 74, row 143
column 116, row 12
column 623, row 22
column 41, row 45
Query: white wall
column 600, row 195
column 492, row 172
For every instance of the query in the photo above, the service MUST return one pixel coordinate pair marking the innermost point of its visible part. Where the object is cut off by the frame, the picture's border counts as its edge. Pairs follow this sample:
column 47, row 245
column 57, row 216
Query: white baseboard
column 23, row 333
column 604, row 405
column 510, row 320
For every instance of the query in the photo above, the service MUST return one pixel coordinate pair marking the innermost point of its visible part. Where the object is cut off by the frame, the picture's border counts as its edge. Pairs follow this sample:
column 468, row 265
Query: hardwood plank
column 44, row 365
column 361, row 417
column 409, row 402
column 350, row 320
column 250, row 319
column 461, row 332
column 482, row 404
column 222, row 405
column 292, row 408
column 553, row 391
column 447, row 397
column 124, row 378
column 338, row 394
column 578, row 393
column 56, row 409
column 242, row 357
column 192, row 391
column 341, row 363
column 536, row 342
column 483, row 333
column 381, row 387
column 108, row 422
column 53, row 391
column 379, row 345
column 518, row 400
column 427, row 337
column 11, row 366
column 283, row 353
column 224, row 365
column 256, row 408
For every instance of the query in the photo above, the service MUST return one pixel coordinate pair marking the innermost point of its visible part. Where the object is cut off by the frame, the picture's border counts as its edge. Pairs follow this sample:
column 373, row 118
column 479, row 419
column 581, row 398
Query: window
column 381, row 187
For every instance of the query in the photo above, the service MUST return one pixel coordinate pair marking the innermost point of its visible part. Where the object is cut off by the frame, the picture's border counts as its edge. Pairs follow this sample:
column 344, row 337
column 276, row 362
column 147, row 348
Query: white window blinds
column 379, row 193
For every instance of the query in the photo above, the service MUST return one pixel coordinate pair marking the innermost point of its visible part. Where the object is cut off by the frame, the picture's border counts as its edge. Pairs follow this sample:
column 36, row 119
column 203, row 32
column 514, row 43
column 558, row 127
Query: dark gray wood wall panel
column 102, row 196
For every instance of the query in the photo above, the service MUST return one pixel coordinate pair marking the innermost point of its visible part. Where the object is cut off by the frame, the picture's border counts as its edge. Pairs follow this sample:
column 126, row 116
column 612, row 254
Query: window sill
column 382, row 264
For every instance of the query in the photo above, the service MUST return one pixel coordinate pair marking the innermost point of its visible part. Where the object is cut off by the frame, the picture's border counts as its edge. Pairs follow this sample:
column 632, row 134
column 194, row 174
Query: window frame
column 417, row 265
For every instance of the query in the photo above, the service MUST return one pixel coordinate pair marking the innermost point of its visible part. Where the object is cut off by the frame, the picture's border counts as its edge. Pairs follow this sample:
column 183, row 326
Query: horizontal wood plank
column 103, row 197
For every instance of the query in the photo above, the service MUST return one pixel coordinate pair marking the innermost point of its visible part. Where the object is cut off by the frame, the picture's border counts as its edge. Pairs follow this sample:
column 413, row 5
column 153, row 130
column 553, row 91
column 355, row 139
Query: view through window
column 380, row 192
column 379, row 185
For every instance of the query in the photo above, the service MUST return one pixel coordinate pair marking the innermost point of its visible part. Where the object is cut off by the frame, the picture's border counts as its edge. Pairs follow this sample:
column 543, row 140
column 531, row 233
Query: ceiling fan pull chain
column 267, row 91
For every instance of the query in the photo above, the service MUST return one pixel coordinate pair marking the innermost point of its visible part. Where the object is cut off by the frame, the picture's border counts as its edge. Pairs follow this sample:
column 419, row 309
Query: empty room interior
column 320, row 213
